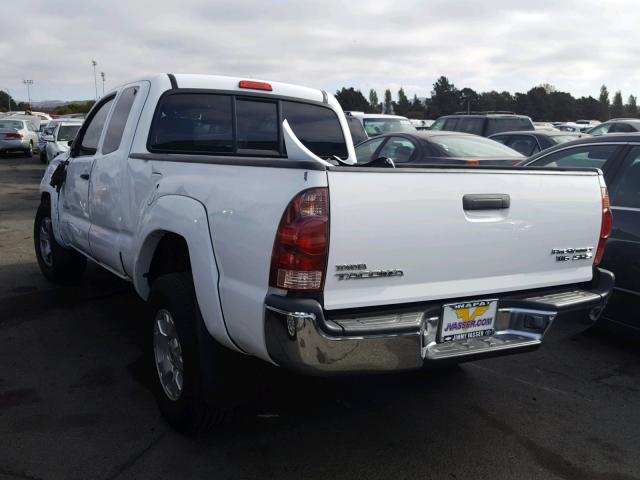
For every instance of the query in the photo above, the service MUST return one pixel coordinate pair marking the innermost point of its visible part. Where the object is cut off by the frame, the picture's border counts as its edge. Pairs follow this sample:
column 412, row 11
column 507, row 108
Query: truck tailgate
column 399, row 236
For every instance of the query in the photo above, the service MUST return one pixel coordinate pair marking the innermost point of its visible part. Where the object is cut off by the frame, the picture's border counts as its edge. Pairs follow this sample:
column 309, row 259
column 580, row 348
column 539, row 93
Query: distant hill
column 52, row 104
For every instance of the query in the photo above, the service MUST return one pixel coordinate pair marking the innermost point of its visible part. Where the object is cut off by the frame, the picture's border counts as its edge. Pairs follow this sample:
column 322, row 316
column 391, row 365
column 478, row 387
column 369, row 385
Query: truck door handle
column 486, row 201
column 84, row 176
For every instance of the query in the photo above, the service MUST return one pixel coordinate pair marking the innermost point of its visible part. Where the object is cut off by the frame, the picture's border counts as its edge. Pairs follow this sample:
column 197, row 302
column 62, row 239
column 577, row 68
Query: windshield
column 11, row 124
column 67, row 132
column 378, row 126
column 470, row 146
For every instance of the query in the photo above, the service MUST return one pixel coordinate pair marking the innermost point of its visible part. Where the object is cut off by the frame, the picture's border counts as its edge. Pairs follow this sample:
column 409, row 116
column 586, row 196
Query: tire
column 188, row 408
column 57, row 264
column 29, row 151
column 43, row 156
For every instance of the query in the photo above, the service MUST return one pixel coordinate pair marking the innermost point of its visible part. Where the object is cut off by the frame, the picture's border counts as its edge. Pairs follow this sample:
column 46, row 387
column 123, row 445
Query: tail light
column 472, row 162
column 15, row 136
column 607, row 223
column 300, row 249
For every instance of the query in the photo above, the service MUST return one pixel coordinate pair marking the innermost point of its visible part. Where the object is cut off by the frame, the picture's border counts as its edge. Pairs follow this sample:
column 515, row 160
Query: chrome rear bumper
column 303, row 337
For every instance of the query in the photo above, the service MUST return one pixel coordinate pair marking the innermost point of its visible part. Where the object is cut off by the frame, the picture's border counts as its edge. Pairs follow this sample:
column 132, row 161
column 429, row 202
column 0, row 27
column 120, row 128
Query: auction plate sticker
column 471, row 319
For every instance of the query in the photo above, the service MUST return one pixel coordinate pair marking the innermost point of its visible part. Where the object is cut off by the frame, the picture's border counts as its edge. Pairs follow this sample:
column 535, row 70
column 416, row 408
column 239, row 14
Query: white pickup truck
column 235, row 209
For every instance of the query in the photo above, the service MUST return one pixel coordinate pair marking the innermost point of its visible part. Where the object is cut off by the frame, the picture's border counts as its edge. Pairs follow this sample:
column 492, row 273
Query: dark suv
column 483, row 123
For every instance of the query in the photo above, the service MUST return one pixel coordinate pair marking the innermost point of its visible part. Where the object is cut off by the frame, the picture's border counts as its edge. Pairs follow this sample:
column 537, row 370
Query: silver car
column 19, row 134
column 58, row 140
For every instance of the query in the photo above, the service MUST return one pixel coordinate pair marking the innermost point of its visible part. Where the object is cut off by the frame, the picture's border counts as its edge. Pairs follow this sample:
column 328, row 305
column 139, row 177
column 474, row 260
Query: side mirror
column 70, row 142
column 48, row 138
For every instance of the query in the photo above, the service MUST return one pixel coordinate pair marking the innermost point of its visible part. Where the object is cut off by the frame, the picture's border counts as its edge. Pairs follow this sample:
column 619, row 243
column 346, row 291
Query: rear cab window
column 227, row 124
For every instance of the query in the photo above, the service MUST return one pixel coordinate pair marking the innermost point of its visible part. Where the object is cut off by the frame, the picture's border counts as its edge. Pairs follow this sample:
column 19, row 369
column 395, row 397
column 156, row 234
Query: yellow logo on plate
column 465, row 314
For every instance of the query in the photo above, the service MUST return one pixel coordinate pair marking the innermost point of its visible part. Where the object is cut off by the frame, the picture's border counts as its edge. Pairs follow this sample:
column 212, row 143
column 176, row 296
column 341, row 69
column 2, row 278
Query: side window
column 525, row 144
column 398, row 149
column 257, row 123
column 627, row 190
column 317, row 127
column 621, row 128
column 91, row 137
column 118, row 120
column 471, row 125
column 366, row 150
column 594, row 156
column 192, row 123
column 450, row 124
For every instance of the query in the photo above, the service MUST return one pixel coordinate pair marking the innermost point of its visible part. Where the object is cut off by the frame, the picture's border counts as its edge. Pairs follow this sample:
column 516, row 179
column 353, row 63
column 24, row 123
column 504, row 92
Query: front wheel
column 176, row 355
column 56, row 263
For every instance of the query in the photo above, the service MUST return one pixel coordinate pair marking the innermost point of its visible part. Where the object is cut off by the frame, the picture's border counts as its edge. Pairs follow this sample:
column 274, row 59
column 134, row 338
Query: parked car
column 618, row 156
column 377, row 123
column 573, row 127
column 544, row 126
column 616, row 125
column 214, row 195
column 483, row 123
column 422, row 124
column 19, row 134
column 436, row 147
column 529, row 143
column 356, row 129
column 57, row 141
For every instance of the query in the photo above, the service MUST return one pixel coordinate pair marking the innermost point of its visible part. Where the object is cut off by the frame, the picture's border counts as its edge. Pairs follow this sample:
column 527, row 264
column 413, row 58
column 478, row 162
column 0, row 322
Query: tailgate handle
column 485, row 201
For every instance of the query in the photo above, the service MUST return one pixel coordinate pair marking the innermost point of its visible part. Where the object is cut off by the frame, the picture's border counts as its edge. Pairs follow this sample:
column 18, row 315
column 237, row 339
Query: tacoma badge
column 358, row 271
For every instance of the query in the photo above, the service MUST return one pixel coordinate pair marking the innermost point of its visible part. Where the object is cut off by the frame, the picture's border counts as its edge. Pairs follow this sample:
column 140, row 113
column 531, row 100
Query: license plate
column 464, row 320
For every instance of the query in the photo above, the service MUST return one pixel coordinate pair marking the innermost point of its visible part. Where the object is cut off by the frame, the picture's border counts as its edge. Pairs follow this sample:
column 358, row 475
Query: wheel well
column 170, row 256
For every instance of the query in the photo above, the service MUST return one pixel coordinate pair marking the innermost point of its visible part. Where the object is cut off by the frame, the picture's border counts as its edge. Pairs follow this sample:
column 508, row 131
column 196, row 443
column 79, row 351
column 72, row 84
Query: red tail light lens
column 299, row 259
column 255, row 85
column 15, row 136
column 472, row 162
column 606, row 226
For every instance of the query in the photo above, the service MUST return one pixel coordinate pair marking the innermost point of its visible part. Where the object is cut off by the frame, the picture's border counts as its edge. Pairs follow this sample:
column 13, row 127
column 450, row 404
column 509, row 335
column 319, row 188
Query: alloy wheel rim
column 168, row 355
column 45, row 242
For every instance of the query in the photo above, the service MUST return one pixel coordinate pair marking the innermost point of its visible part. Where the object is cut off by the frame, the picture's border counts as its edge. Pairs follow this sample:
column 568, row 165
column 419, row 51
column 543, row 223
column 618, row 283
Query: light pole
column 28, row 83
column 95, row 78
column 102, row 75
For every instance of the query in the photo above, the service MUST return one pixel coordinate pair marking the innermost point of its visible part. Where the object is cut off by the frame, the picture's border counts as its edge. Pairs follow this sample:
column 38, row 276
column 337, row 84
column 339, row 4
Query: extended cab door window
column 91, row 137
column 118, row 120
column 317, row 127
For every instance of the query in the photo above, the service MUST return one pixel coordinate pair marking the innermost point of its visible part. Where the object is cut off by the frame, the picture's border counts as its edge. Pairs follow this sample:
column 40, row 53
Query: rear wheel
column 178, row 352
column 28, row 152
column 56, row 263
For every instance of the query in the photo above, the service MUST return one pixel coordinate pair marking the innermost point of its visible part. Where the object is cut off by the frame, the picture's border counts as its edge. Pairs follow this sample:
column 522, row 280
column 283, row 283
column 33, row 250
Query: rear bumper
column 12, row 145
column 302, row 337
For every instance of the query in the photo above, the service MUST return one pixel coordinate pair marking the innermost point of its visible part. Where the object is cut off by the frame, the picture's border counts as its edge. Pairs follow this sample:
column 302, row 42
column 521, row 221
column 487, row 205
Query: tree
column 562, row 106
column 631, row 107
column 351, row 99
column 373, row 101
column 539, row 102
column 617, row 107
column 388, row 102
column 445, row 98
column 604, row 103
column 588, row 108
column 468, row 100
column 403, row 103
column 5, row 100
column 75, row 108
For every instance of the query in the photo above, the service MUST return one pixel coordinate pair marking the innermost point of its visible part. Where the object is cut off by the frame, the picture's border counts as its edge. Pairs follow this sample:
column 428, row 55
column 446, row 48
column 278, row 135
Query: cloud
column 502, row 45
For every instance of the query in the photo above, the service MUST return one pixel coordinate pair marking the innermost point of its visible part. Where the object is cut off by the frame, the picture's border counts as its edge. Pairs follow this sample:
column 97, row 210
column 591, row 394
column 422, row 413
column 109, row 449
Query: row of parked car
column 37, row 133
column 481, row 139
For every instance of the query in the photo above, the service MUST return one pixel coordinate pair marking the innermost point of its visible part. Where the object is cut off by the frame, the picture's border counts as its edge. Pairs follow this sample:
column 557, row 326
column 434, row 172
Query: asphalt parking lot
column 74, row 402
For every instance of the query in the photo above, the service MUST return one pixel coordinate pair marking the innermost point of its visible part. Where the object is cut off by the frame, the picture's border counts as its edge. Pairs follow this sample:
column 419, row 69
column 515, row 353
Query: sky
column 486, row 45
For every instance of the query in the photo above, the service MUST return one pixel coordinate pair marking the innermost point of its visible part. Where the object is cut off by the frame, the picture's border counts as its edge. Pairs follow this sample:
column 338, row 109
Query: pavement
column 75, row 401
